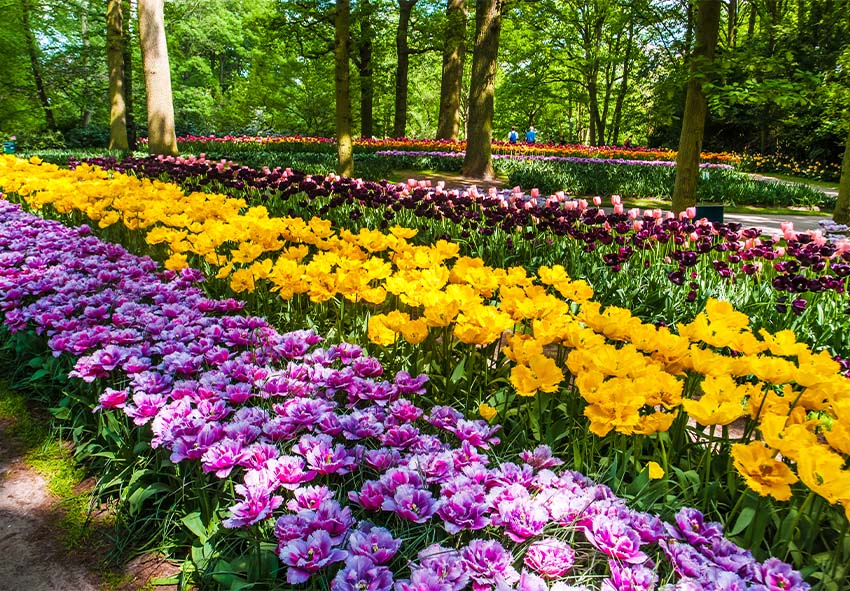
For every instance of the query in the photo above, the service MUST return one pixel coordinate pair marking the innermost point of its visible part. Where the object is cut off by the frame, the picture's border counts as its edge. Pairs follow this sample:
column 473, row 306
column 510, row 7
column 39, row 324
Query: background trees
column 591, row 71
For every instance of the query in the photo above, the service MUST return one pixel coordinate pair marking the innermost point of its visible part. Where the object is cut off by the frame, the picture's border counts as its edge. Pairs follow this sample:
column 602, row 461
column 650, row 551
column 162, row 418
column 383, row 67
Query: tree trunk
column 624, row 87
column 161, row 136
column 405, row 7
column 732, row 24
column 127, row 56
column 115, row 63
column 597, row 130
column 451, row 84
column 364, row 70
column 344, row 145
column 32, row 50
column 478, row 162
column 751, row 23
column 841, row 215
column 87, row 113
column 693, row 121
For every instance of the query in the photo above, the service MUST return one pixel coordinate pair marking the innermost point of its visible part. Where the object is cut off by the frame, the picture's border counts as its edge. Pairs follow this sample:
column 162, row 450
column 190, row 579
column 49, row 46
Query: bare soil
column 33, row 554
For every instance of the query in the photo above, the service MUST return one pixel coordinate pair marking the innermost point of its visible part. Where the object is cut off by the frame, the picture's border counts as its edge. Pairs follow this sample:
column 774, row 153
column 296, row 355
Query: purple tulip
column 412, row 504
column 361, row 574
column 489, row 565
column 550, row 557
column 306, row 557
column 375, row 543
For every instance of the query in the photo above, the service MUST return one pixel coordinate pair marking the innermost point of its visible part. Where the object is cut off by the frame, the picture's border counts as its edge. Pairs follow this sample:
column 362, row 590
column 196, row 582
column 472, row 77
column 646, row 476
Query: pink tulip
column 597, row 201
column 535, row 193
column 618, row 208
column 691, row 212
column 615, row 200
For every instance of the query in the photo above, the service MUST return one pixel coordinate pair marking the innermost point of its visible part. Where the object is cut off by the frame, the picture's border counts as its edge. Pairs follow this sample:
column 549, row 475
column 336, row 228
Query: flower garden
column 308, row 381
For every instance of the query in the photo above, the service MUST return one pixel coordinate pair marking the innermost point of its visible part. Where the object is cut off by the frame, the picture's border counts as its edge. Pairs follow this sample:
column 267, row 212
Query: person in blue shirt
column 530, row 135
column 513, row 136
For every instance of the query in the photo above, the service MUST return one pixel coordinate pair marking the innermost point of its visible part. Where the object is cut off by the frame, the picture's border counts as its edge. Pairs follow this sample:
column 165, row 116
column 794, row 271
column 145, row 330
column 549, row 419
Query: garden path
column 34, row 557
column 33, row 554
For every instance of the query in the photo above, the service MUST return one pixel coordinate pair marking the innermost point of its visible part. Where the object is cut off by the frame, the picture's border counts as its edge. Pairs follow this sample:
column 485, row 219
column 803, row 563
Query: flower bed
column 298, row 143
column 317, row 441
column 632, row 377
column 799, row 266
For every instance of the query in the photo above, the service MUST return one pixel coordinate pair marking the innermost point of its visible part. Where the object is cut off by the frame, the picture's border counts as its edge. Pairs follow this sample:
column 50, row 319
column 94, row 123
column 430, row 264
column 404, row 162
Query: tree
column 127, row 57
column 841, row 215
column 405, row 8
column 364, row 70
column 344, row 147
column 693, row 122
column 32, row 50
column 115, row 60
column 161, row 136
column 451, row 82
column 479, row 127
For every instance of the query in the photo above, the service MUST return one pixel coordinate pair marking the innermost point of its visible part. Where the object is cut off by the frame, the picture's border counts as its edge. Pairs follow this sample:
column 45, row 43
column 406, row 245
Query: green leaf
column 138, row 497
column 458, row 371
column 61, row 413
column 744, row 520
column 195, row 525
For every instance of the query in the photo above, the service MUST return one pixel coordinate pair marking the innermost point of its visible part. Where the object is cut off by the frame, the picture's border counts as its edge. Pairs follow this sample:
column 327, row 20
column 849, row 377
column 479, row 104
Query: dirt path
column 773, row 179
column 33, row 556
column 453, row 181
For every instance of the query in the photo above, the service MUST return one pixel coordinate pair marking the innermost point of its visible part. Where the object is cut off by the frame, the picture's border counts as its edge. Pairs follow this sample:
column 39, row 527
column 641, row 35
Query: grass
column 45, row 453
column 800, row 180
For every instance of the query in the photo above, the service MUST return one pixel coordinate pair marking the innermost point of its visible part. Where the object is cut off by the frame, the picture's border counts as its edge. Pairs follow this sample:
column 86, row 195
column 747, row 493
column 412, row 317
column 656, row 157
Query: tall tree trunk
column 364, row 71
column 751, row 23
column 597, row 130
column 405, row 7
column 624, row 87
column 344, row 144
column 732, row 24
column 451, row 84
column 115, row 63
column 127, row 57
column 841, row 215
column 32, row 50
column 478, row 162
column 161, row 136
column 87, row 113
column 693, row 121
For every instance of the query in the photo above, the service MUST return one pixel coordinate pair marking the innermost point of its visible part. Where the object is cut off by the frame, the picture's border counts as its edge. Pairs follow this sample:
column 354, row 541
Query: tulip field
column 303, row 381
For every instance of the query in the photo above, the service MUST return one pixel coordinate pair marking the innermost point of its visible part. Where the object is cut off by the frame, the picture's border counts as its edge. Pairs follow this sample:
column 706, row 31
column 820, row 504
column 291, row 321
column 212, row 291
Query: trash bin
column 8, row 147
column 713, row 212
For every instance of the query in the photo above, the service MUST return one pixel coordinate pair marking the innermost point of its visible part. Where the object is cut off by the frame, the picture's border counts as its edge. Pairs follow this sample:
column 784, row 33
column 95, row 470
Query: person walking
column 513, row 136
column 531, row 135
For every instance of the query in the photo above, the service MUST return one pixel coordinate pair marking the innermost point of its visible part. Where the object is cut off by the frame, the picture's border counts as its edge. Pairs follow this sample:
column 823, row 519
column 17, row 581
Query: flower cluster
column 795, row 263
column 292, row 143
column 290, row 422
